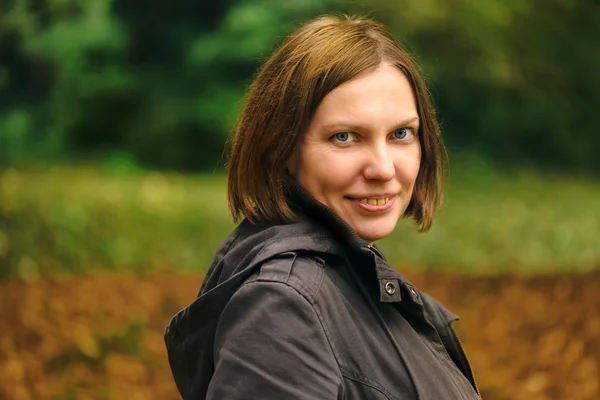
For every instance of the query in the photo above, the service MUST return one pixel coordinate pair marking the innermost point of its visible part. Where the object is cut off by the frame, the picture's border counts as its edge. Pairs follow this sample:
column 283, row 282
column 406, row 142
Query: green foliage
column 15, row 126
column 129, row 220
column 164, row 81
column 516, row 81
column 164, row 85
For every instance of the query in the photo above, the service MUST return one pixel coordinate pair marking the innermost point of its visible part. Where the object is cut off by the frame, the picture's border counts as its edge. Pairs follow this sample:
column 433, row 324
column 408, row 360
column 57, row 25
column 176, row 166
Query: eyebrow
column 359, row 127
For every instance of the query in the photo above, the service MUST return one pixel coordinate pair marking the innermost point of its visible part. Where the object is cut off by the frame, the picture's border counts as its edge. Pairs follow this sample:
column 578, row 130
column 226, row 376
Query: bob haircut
column 282, row 100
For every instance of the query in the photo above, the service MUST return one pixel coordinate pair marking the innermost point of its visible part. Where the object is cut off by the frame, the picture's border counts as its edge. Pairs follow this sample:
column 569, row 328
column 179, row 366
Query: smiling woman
column 337, row 141
column 364, row 166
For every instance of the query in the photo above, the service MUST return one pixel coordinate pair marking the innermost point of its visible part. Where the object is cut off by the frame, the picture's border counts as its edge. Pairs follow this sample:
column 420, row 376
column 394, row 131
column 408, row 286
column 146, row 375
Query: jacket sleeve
column 270, row 344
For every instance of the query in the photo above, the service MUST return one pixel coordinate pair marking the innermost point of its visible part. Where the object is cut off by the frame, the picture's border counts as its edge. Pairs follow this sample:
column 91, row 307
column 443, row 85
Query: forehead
column 379, row 96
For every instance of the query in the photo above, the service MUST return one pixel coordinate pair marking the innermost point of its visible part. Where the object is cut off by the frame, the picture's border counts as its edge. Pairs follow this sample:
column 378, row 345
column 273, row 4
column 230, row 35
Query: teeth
column 375, row 202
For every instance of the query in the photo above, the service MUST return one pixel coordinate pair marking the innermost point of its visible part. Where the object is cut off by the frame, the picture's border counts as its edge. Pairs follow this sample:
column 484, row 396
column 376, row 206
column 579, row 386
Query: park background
column 113, row 120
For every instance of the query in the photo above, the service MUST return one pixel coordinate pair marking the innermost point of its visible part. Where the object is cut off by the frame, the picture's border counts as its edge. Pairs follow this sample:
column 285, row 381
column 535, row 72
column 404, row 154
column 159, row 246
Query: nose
column 380, row 164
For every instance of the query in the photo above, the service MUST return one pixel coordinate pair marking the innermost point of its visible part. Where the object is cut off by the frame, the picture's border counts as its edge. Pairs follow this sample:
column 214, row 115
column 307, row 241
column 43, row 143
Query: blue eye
column 401, row 133
column 343, row 136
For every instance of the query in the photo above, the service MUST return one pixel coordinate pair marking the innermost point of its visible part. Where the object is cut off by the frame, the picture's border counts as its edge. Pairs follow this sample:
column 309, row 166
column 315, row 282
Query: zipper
column 466, row 358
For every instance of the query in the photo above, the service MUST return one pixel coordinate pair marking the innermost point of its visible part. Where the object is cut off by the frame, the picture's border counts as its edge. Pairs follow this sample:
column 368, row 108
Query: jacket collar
column 304, row 204
column 391, row 282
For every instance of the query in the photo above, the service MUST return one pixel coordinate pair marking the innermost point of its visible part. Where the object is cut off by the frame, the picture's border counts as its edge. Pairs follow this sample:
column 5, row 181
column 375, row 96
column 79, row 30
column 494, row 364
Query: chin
column 371, row 234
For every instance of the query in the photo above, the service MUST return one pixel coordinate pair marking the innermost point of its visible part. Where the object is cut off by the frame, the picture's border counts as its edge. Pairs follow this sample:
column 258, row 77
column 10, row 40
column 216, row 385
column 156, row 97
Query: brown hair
column 283, row 98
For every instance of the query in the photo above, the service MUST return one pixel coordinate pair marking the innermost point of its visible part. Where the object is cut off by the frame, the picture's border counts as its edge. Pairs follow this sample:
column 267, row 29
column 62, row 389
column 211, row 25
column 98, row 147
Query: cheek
column 407, row 167
column 326, row 170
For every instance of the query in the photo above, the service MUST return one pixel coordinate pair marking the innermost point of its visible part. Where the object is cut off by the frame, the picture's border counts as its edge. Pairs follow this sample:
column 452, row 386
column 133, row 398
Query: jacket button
column 390, row 288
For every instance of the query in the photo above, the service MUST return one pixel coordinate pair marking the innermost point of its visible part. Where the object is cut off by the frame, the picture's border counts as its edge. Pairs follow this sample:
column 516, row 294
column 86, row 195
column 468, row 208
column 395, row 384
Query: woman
column 337, row 141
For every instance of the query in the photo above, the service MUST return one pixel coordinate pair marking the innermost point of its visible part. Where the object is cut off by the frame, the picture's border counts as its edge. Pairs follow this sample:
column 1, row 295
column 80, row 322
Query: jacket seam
column 446, row 326
column 367, row 382
column 312, row 301
column 297, row 284
column 275, row 240
column 460, row 352
column 319, row 318
column 316, row 286
column 311, row 290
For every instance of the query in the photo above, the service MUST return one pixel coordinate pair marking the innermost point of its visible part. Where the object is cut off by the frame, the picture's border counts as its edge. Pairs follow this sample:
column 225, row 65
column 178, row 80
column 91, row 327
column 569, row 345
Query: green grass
column 494, row 222
column 77, row 218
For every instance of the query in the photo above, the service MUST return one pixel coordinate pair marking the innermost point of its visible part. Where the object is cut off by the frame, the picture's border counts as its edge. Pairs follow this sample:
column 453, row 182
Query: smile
column 375, row 202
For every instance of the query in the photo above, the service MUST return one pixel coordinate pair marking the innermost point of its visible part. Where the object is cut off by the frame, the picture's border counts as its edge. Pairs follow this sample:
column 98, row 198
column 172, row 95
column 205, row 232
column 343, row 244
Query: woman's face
column 361, row 153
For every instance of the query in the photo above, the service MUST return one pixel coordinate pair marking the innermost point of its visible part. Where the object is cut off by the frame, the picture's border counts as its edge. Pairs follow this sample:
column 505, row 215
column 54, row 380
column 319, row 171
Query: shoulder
column 303, row 271
column 270, row 340
column 280, row 295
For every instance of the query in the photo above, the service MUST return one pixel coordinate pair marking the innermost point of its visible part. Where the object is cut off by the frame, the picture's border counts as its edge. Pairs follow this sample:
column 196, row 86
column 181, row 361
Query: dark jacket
column 309, row 310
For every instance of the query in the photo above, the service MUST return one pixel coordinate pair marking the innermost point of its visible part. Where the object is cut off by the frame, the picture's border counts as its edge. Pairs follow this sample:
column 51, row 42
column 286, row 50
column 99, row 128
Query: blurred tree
column 55, row 56
column 162, row 82
column 515, row 81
